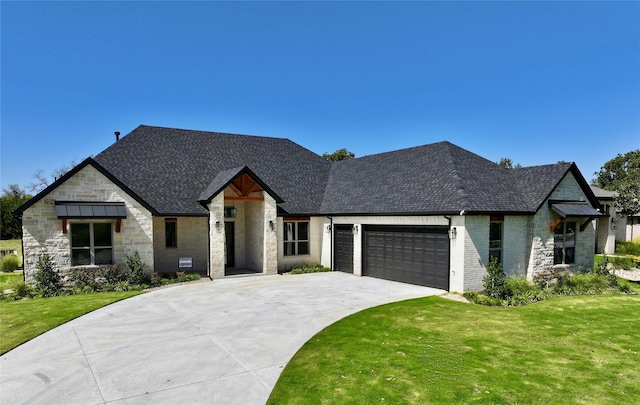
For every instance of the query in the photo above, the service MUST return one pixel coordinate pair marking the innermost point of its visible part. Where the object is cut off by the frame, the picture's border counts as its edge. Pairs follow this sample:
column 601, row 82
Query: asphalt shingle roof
column 172, row 169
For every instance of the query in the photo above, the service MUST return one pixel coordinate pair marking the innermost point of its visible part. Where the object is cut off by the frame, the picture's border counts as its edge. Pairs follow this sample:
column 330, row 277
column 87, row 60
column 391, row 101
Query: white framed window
column 91, row 243
column 296, row 238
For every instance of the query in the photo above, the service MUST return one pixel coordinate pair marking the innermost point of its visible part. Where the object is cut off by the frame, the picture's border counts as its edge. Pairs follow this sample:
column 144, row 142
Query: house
column 613, row 226
column 220, row 203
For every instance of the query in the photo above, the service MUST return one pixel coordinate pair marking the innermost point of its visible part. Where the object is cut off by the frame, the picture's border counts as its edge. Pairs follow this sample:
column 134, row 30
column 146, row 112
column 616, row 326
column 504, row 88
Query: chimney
column 117, row 135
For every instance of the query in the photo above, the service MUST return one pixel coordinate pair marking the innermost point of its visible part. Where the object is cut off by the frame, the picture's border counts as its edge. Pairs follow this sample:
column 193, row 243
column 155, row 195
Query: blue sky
column 537, row 82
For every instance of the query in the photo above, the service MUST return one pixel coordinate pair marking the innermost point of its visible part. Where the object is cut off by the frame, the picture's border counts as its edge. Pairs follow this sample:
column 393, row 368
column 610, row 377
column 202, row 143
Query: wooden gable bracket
column 64, row 226
column 586, row 224
column 244, row 185
column 555, row 224
column 118, row 225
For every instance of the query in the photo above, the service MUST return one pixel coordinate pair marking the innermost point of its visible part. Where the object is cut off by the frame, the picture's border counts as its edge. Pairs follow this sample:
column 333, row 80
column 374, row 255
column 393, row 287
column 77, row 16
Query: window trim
column 295, row 241
column 92, row 246
column 498, row 219
column 175, row 234
column 563, row 235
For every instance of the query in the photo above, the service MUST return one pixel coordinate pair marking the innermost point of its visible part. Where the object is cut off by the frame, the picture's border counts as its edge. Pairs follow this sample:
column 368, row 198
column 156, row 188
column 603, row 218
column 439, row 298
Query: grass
column 21, row 321
column 12, row 244
column 7, row 278
column 583, row 350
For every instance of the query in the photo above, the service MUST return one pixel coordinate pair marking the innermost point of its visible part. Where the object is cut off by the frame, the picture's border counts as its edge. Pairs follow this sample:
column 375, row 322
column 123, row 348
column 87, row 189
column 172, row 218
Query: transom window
column 91, row 244
column 296, row 238
column 495, row 237
column 564, row 240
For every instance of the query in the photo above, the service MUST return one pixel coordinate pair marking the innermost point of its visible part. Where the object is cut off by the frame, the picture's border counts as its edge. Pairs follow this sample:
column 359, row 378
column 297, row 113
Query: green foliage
column 626, row 263
column 622, row 174
column 340, row 154
column 508, row 163
column 308, row 268
column 136, row 274
column 9, row 263
column 494, row 282
column 627, row 248
column 47, row 278
column 12, row 198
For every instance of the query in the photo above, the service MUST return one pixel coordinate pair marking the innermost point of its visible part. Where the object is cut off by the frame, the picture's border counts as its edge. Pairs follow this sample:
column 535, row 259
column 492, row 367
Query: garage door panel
column 416, row 255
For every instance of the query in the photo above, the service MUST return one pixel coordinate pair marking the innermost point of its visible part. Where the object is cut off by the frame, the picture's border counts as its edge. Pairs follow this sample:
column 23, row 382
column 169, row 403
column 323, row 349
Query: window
column 564, row 241
column 296, row 238
column 171, row 232
column 91, row 244
column 495, row 238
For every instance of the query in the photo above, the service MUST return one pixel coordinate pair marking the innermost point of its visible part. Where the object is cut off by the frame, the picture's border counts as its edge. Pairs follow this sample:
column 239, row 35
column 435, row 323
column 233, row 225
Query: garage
column 343, row 248
column 409, row 254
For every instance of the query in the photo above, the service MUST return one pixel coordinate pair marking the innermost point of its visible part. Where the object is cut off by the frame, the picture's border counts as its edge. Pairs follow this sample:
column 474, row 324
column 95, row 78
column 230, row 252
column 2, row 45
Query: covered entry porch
column 242, row 224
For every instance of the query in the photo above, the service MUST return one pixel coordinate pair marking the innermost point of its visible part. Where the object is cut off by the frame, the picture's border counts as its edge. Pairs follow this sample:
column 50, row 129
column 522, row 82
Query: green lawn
column 12, row 244
column 21, row 321
column 582, row 350
column 7, row 278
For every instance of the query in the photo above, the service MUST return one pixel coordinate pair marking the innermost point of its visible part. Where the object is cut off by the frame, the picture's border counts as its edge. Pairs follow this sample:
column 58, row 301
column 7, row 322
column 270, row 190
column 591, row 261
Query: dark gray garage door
column 410, row 254
column 343, row 251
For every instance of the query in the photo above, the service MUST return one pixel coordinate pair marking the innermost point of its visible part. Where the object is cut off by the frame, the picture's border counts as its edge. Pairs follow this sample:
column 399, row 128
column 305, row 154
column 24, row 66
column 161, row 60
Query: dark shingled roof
column 171, row 168
column 174, row 170
column 436, row 178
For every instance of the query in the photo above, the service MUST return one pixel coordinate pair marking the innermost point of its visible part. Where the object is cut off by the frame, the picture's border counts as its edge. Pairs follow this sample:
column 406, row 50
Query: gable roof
column 439, row 178
column 172, row 168
column 174, row 172
column 87, row 162
column 224, row 178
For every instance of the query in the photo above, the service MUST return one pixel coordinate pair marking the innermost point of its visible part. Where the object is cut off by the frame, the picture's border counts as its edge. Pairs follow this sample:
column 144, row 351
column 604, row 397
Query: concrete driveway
column 220, row 342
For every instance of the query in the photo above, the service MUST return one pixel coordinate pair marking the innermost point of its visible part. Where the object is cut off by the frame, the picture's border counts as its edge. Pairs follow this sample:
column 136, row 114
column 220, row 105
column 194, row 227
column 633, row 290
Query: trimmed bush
column 136, row 274
column 308, row 268
column 9, row 263
column 628, row 248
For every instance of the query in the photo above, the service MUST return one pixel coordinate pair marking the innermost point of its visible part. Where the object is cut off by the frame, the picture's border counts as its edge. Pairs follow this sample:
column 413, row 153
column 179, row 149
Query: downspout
column 331, row 243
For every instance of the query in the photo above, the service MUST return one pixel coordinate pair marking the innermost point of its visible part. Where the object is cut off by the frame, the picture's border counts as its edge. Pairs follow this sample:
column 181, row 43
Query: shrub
column 308, row 268
column 136, row 274
column 83, row 277
column 47, row 279
column 112, row 274
column 494, row 281
column 628, row 248
column 9, row 263
column 626, row 263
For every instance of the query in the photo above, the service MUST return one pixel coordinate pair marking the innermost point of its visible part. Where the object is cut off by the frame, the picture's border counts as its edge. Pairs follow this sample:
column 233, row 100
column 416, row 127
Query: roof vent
column 117, row 133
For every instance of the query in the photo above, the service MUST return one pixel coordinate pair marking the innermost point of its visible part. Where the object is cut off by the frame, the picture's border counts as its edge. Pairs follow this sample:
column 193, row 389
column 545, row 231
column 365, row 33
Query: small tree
column 136, row 269
column 508, row 163
column 47, row 279
column 622, row 174
column 494, row 282
column 12, row 198
column 340, row 154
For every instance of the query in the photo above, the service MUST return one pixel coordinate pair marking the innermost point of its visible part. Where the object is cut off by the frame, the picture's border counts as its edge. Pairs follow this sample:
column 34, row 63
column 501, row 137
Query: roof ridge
column 457, row 179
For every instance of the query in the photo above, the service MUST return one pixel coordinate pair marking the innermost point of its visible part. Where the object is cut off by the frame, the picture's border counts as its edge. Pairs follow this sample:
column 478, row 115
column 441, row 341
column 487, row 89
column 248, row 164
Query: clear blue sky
column 537, row 82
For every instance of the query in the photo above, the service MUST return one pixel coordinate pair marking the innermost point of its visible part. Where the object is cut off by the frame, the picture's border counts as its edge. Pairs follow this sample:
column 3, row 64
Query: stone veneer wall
column 192, row 242
column 42, row 230
column 516, row 244
column 541, row 257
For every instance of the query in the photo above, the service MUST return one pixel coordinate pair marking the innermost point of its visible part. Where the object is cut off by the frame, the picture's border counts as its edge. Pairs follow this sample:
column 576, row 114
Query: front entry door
column 229, row 238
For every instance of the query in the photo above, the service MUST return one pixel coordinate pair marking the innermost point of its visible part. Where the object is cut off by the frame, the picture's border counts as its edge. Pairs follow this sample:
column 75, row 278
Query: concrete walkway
column 220, row 342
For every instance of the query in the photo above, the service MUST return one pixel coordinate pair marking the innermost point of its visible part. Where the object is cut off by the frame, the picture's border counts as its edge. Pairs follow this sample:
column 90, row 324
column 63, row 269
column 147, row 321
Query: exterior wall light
column 328, row 228
column 354, row 230
column 272, row 225
column 218, row 225
column 454, row 233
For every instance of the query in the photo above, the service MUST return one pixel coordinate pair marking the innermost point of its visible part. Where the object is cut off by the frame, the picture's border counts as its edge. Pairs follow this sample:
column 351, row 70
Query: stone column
column 216, row 236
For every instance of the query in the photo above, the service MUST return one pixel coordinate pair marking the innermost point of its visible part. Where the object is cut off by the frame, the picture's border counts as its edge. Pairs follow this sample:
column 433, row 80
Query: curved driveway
column 220, row 342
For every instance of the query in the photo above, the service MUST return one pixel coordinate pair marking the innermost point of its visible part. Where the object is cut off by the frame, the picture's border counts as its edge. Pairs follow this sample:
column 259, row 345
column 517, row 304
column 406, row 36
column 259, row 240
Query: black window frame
column 171, row 233
column 292, row 244
column 496, row 245
column 94, row 251
column 564, row 248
